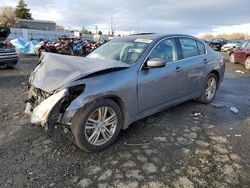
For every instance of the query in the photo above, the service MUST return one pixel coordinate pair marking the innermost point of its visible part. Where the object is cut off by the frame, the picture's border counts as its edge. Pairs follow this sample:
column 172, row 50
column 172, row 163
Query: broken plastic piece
column 237, row 135
column 137, row 144
column 235, row 110
column 196, row 115
column 239, row 71
column 217, row 105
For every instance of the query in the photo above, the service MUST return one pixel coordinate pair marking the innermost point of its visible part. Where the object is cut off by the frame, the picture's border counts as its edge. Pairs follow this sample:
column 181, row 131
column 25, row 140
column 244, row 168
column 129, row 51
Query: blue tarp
column 25, row 47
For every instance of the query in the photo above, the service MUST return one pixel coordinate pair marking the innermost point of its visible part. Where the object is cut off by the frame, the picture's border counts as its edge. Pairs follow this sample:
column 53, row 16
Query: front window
column 166, row 50
column 125, row 51
column 189, row 47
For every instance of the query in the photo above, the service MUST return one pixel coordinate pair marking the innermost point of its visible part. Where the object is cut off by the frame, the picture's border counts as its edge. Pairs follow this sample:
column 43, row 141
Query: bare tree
column 7, row 17
column 226, row 36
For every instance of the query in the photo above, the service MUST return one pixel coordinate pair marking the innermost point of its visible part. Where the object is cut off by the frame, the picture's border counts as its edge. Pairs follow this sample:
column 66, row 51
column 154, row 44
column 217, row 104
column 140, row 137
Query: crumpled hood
column 56, row 70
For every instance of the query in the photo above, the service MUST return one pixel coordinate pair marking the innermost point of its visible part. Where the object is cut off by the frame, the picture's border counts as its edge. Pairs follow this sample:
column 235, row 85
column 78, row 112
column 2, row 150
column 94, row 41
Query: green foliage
column 99, row 32
column 22, row 11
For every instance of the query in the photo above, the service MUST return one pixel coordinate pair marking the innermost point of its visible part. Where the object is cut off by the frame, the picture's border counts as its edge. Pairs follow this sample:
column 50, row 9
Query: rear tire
column 209, row 89
column 89, row 130
column 12, row 65
column 247, row 63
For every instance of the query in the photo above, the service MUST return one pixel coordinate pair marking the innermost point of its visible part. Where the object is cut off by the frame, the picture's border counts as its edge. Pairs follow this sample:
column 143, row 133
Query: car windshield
column 245, row 44
column 125, row 51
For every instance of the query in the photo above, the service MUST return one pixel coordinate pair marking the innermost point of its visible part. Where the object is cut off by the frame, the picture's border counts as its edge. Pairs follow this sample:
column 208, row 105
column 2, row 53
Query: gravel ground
column 169, row 149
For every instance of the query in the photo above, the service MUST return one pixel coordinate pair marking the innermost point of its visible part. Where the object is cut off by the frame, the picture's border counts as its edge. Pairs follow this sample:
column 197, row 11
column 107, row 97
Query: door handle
column 205, row 61
column 178, row 69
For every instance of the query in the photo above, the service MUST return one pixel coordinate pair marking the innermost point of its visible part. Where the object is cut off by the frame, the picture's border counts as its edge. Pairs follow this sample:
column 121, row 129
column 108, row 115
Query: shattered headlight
column 41, row 112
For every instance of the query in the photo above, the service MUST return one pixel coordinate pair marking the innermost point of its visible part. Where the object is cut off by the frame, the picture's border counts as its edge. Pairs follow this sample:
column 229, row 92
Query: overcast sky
column 163, row 16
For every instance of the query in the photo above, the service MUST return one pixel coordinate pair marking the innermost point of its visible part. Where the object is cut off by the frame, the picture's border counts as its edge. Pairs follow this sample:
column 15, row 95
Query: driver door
column 157, row 86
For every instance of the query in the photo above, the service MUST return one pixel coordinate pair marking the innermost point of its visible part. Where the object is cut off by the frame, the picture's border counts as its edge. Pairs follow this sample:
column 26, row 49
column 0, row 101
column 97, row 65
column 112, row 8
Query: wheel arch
column 217, row 75
column 118, row 100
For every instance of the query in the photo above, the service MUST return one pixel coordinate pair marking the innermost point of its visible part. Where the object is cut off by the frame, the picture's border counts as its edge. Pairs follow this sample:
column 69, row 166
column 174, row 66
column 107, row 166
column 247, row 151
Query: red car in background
column 241, row 55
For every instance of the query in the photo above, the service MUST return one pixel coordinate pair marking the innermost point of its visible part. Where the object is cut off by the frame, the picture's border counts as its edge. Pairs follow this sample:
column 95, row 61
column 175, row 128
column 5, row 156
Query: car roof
column 153, row 36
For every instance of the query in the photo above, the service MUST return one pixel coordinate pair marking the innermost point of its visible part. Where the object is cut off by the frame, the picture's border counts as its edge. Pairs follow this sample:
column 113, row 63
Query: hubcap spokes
column 211, row 88
column 101, row 125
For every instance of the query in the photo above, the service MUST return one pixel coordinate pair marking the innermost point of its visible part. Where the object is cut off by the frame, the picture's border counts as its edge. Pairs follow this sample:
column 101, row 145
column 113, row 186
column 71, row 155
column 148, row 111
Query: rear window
column 189, row 47
column 201, row 47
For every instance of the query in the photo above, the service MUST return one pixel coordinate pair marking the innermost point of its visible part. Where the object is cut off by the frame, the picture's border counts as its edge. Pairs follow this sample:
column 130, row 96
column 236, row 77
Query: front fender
column 82, row 101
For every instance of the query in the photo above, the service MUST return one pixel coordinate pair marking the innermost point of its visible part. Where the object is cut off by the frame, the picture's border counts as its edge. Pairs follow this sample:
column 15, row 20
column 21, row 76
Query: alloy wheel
column 210, row 88
column 101, row 125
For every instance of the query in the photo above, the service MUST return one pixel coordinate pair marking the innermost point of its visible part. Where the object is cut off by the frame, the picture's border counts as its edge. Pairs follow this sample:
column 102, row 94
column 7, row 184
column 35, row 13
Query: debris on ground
column 196, row 115
column 237, row 135
column 137, row 144
column 217, row 105
column 239, row 71
column 234, row 110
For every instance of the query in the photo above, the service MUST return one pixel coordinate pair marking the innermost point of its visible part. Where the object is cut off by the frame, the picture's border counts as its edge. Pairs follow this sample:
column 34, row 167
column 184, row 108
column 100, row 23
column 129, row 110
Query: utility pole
column 96, row 29
column 112, row 29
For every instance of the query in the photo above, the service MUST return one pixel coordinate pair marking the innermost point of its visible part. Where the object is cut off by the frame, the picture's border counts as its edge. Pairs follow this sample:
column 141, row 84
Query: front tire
column 247, row 63
column 97, row 126
column 209, row 89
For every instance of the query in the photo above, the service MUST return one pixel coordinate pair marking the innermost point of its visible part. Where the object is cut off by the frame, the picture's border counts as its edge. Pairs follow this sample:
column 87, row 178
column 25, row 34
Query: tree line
column 241, row 36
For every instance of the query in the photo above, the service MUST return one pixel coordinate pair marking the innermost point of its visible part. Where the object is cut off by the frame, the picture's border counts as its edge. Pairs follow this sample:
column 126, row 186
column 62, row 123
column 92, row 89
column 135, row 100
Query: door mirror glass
column 156, row 63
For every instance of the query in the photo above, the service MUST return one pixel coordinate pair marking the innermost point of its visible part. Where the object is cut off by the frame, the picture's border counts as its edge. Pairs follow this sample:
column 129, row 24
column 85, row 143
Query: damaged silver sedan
column 91, row 99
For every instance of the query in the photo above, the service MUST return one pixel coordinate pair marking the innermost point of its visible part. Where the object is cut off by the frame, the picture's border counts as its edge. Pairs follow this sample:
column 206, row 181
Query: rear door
column 193, row 63
column 157, row 86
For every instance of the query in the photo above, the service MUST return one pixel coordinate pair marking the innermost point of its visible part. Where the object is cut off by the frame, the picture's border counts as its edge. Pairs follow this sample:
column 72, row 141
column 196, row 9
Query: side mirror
column 156, row 63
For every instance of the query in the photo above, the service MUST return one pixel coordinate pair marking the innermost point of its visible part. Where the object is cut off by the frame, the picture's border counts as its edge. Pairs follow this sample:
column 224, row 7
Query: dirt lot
column 169, row 149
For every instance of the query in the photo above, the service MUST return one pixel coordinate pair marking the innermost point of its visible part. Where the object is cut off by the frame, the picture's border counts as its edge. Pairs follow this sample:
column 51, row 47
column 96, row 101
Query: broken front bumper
column 40, row 114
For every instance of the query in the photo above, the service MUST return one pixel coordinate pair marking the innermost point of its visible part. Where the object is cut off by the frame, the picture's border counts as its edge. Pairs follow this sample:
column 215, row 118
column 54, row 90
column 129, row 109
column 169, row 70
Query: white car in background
column 231, row 45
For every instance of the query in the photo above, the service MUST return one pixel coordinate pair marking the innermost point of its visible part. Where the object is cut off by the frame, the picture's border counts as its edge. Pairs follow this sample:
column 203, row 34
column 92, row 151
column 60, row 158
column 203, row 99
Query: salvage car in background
column 216, row 44
column 232, row 44
column 91, row 99
column 241, row 55
column 8, row 53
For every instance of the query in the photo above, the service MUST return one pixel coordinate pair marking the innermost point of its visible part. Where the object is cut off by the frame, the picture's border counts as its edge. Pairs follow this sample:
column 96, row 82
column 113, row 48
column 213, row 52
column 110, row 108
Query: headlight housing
column 41, row 112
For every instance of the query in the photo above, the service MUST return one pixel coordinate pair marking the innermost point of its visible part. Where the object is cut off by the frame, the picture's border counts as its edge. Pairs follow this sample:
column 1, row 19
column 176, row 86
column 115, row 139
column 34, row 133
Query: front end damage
column 52, row 89
column 48, row 108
